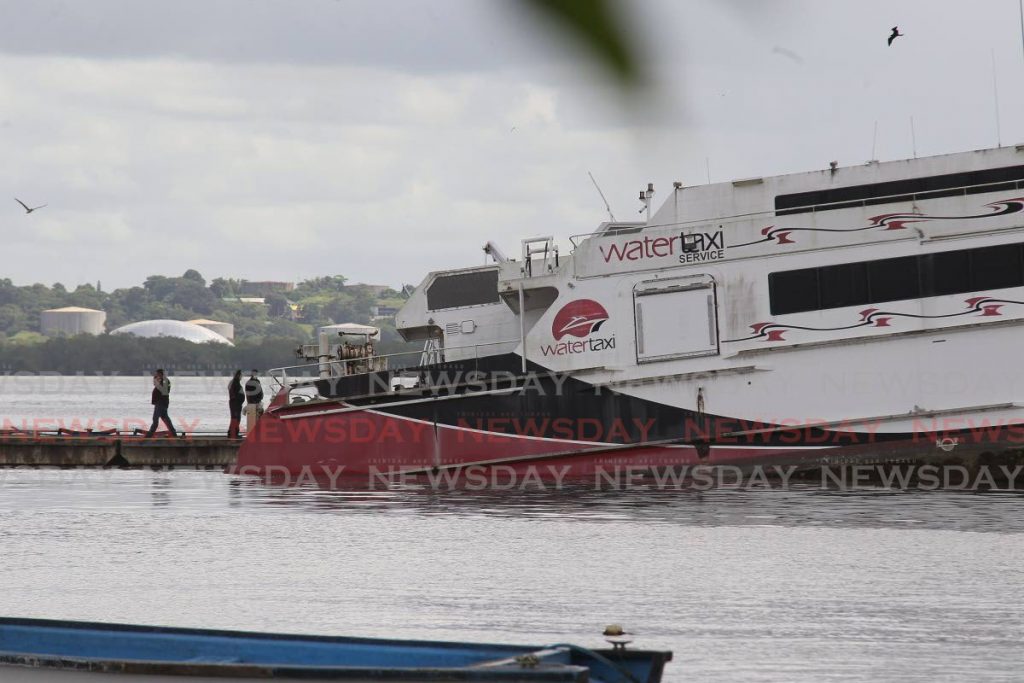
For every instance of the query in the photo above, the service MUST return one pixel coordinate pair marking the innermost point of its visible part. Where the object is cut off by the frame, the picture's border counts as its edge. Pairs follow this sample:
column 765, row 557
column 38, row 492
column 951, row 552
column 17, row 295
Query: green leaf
column 596, row 27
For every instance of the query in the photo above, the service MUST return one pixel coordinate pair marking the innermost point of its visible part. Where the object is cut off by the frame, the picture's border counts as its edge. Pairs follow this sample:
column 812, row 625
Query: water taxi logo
column 579, row 318
column 686, row 247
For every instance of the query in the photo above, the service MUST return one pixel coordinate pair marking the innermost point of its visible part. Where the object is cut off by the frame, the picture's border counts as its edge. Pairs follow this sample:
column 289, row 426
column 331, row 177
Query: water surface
column 797, row 585
column 757, row 585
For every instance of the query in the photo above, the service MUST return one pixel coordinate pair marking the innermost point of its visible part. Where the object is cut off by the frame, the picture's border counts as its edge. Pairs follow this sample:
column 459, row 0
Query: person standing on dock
column 236, row 399
column 161, row 399
column 254, row 397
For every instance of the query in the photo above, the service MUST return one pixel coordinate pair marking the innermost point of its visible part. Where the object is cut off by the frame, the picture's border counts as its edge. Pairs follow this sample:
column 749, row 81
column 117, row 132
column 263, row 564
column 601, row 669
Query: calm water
column 51, row 401
column 800, row 585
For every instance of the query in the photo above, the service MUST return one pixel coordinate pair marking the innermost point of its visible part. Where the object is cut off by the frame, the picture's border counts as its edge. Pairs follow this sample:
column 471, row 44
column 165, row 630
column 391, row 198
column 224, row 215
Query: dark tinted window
column 463, row 289
column 948, row 272
column 896, row 279
column 794, row 291
column 893, row 279
column 843, row 285
column 995, row 267
column 928, row 187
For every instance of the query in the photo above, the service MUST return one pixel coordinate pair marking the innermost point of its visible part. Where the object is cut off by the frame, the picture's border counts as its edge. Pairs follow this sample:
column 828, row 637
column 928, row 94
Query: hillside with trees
column 266, row 334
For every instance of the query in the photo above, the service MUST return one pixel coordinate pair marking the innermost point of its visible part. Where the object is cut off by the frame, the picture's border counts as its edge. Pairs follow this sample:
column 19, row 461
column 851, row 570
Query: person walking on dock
column 161, row 399
column 254, row 397
column 236, row 399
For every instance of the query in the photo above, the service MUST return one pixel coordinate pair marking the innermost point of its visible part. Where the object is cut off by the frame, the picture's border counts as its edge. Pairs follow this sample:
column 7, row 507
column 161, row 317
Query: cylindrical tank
column 226, row 330
column 72, row 320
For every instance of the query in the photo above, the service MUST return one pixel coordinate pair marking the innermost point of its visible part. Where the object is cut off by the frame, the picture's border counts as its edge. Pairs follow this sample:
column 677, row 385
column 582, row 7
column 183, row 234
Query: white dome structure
column 226, row 330
column 173, row 328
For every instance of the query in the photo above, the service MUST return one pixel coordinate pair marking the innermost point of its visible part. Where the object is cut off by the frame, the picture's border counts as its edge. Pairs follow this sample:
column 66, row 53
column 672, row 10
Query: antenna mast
column 1020, row 5
column 995, row 97
column 607, row 207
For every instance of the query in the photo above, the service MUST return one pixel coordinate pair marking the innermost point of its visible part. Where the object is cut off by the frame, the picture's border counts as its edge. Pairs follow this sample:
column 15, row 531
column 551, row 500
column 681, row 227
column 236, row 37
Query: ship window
column 893, row 279
column 948, row 272
column 927, row 187
column 463, row 289
column 794, row 291
column 896, row 279
column 843, row 285
column 995, row 267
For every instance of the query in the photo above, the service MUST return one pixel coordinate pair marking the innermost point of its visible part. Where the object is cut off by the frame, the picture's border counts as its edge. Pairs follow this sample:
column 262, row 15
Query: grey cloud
column 418, row 36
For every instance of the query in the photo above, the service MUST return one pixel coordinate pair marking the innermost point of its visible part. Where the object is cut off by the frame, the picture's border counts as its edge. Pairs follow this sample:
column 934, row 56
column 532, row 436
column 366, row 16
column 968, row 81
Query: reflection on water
column 760, row 585
column 798, row 506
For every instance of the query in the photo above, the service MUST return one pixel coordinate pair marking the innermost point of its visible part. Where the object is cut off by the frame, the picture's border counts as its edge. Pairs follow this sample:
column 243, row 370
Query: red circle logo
column 578, row 318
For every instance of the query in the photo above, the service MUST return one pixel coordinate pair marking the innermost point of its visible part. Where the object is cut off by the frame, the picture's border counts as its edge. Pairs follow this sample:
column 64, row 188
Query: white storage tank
column 72, row 320
column 226, row 330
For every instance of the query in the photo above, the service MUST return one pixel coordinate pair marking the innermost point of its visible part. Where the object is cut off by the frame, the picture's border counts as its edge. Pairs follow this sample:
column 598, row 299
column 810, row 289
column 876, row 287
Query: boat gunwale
column 570, row 673
column 482, row 670
column 261, row 635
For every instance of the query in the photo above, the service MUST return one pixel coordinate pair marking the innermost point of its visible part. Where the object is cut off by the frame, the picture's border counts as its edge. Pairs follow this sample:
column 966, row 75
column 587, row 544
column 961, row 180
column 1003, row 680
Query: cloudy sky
column 283, row 139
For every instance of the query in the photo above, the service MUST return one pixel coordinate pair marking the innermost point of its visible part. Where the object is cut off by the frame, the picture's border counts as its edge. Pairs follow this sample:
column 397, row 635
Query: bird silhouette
column 27, row 209
column 894, row 35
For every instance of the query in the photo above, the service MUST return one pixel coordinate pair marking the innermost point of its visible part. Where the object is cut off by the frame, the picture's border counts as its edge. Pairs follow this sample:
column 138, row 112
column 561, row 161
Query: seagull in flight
column 894, row 35
column 27, row 209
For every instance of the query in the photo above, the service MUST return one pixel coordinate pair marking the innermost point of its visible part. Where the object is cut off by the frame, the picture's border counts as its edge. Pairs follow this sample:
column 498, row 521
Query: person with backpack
column 161, row 400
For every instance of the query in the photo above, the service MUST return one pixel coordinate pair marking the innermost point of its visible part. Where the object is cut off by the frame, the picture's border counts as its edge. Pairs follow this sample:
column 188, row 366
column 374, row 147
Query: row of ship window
column 896, row 279
column 911, row 189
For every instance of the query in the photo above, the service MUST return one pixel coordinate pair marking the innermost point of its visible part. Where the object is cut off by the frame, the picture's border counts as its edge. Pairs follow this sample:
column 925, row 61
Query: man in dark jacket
column 236, row 399
column 254, row 390
column 254, row 397
column 161, row 399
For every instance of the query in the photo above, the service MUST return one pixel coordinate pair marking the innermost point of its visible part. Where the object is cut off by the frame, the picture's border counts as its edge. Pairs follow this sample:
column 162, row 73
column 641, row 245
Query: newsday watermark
column 626, row 478
column 921, row 477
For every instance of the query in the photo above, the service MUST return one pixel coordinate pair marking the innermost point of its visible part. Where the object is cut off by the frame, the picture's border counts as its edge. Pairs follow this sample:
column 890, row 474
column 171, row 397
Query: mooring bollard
column 252, row 413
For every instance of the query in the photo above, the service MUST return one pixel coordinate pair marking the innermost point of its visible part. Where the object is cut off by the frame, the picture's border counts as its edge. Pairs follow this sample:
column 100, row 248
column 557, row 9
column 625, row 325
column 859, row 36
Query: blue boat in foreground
column 38, row 651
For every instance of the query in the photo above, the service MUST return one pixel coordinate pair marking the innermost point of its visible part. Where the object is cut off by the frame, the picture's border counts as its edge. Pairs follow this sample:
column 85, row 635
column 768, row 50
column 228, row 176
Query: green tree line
column 266, row 335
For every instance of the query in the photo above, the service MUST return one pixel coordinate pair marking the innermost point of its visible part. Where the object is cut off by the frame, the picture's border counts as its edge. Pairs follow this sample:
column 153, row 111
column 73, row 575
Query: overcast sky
column 284, row 139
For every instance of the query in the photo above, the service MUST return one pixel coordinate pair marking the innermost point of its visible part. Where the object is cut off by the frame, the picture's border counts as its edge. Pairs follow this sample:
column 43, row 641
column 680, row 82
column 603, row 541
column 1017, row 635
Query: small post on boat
column 324, row 355
column 522, row 324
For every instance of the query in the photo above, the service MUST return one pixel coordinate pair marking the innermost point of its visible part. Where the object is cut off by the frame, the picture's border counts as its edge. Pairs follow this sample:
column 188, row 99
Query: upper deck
column 928, row 198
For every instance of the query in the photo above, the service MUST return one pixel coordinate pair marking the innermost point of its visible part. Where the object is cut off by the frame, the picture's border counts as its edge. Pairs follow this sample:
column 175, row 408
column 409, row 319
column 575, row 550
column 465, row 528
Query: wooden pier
column 124, row 450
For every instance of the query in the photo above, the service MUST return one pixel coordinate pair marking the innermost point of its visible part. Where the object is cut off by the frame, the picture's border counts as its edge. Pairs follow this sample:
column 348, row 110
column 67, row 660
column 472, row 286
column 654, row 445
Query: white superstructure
column 883, row 297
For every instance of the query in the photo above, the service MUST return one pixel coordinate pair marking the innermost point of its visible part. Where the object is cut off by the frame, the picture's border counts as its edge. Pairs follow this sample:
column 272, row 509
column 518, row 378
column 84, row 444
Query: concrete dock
column 35, row 449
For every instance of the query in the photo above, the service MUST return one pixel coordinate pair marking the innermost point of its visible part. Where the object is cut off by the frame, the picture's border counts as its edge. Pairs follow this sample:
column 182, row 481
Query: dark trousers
column 236, row 419
column 160, row 413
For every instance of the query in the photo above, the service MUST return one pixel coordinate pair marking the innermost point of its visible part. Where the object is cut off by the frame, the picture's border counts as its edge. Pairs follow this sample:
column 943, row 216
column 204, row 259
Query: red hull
column 362, row 442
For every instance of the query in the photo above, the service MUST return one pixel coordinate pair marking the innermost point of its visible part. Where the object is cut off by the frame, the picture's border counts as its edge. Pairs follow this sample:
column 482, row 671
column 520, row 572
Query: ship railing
column 961, row 191
column 540, row 250
column 289, row 375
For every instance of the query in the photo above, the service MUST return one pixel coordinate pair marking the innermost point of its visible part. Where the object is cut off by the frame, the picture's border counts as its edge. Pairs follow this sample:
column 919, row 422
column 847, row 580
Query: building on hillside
column 375, row 290
column 72, row 320
column 265, row 287
column 382, row 312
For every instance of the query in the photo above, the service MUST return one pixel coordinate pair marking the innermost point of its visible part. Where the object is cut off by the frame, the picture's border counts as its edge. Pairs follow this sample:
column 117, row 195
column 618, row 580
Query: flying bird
column 27, row 209
column 894, row 35
column 789, row 54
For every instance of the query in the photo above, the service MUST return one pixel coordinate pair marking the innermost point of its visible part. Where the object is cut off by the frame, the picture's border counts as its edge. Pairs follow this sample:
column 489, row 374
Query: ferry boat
column 849, row 314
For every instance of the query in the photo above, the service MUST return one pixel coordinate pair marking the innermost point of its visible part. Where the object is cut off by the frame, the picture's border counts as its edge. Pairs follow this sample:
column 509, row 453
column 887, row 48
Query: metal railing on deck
column 962, row 190
column 353, row 367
